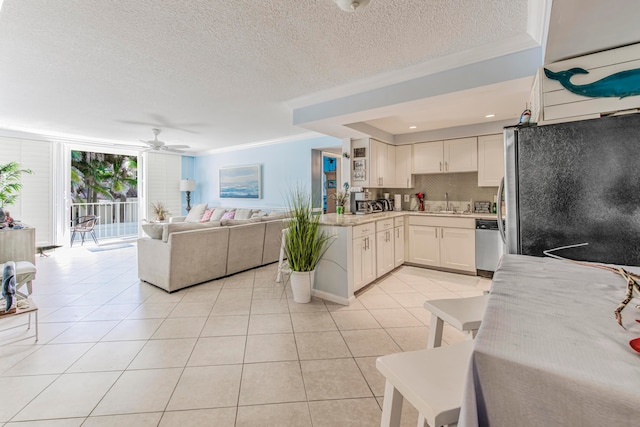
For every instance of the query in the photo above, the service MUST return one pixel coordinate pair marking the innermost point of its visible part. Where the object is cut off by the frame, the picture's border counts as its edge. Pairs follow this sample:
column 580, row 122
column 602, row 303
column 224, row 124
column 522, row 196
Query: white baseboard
column 333, row 298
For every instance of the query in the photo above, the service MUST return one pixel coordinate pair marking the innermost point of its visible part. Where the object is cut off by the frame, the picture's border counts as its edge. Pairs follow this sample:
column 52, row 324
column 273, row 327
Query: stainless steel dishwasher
column 489, row 246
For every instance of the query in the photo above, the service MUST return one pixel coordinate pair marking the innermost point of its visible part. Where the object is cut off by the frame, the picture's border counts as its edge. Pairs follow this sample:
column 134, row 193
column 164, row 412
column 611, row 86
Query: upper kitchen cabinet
column 428, row 157
column 403, row 167
column 461, row 155
column 490, row 160
column 373, row 163
column 454, row 155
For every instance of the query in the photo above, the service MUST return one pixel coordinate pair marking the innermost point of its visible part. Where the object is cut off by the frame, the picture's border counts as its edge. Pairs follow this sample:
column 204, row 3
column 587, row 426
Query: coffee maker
column 360, row 201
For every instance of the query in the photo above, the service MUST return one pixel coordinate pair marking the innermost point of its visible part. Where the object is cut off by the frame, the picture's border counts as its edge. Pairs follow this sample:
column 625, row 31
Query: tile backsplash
column 460, row 186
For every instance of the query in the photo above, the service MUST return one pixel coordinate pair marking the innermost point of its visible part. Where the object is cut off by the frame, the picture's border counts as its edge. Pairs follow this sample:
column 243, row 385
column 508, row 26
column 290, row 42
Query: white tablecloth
column 549, row 351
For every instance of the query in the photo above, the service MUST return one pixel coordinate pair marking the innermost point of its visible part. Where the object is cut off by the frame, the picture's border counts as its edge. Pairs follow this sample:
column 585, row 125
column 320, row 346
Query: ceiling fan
column 156, row 145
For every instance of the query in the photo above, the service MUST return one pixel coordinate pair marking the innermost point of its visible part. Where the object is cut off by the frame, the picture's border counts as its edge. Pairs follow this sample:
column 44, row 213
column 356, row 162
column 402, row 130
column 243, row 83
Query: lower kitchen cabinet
column 398, row 246
column 424, row 245
column 384, row 246
column 457, row 249
column 442, row 242
column 364, row 257
column 384, row 250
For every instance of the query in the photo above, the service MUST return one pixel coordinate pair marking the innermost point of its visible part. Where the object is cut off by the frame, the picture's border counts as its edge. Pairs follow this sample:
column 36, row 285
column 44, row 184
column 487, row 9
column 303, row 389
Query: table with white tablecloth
column 549, row 351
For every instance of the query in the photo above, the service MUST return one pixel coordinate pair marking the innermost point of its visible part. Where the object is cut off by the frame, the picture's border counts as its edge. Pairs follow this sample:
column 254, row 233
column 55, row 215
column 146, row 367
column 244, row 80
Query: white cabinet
column 398, row 246
column 379, row 163
column 490, row 160
column 454, row 155
column 364, row 255
column 461, row 155
column 428, row 157
column 403, row 167
column 424, row 245
column 457, row 248
column 384, row 247
column 384, row 250
column 442, row 242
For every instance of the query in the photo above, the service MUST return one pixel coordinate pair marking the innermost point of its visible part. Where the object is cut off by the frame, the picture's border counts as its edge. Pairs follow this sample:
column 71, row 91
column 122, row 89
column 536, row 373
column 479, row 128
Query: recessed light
column 412, row 127
column 488, row 116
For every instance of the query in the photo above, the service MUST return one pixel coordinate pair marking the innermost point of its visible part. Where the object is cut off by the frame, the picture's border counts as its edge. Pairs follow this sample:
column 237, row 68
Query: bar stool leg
column 391, row 406
column 29, row 322
column 36, row 325
column 281, row 259
column 435, row 332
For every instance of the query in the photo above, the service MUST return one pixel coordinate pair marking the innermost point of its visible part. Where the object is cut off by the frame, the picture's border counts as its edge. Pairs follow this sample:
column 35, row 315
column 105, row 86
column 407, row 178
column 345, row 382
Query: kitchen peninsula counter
column 349, row 220
column 366, row 247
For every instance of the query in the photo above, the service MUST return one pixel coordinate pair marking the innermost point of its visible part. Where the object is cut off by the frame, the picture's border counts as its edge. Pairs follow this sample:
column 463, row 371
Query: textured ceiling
column 214, row 73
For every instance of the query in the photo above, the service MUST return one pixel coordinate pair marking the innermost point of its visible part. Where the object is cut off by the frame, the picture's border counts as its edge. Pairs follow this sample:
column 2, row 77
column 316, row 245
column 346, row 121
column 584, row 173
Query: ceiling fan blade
column 177, row 146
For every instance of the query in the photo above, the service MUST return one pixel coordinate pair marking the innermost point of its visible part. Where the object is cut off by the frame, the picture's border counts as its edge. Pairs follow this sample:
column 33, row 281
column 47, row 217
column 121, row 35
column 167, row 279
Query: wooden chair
column 464, row 314
column 431, row 380
column 83, row 225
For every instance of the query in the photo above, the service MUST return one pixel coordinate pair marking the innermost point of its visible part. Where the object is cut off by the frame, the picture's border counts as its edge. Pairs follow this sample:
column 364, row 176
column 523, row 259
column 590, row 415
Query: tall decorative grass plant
column 305, row 243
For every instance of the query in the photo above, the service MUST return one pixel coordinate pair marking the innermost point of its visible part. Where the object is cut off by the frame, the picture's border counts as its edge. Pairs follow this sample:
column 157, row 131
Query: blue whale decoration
column 622, row 84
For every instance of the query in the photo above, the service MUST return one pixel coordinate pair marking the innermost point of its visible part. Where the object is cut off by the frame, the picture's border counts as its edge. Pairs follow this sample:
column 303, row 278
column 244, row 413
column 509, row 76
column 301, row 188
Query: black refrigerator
column 572, row 183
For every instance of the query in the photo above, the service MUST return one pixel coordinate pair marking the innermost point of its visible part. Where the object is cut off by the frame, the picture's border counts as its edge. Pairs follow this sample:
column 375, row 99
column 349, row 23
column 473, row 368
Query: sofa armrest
column 175, row 219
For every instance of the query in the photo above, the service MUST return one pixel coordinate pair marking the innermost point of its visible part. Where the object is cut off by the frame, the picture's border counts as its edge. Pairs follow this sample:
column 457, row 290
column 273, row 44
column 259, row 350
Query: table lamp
column 188, row 185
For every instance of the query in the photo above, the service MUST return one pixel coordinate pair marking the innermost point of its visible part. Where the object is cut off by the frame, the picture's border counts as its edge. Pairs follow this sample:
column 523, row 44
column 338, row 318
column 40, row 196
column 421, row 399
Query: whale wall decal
column 622, row 84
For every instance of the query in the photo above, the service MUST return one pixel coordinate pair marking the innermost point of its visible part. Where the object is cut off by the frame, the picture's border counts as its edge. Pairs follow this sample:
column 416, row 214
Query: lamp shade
column 187, row 184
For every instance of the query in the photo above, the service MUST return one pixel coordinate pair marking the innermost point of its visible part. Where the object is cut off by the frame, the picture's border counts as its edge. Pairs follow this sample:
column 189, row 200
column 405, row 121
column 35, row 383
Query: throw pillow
column 243, row 214
column 228, row 215
column 217, row 214
column 258, row 214
column 153, row 230
column 196, row 212
column 207, row 215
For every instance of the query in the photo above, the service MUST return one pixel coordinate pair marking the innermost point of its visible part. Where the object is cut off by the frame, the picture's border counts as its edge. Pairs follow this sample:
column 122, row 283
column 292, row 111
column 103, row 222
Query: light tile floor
column 235, row 351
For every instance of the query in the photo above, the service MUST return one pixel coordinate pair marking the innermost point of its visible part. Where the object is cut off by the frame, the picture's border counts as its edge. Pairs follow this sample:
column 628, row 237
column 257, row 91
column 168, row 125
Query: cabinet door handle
column 436, row 233
column 440, row 166
column 442, row 233
column 407, row 182
column 446, row 166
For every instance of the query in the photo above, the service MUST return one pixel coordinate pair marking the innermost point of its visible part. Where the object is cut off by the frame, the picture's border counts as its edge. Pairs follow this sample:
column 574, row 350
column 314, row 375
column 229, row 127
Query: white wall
column 34, row 206
column 284, row 165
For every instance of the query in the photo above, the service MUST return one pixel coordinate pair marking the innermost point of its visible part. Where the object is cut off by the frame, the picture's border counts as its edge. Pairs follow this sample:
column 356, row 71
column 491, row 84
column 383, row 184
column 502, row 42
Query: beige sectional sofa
column 190, row 253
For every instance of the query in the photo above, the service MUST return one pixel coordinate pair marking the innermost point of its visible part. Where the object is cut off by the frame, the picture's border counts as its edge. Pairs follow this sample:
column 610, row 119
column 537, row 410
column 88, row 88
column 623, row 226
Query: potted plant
column 341, row 198
column 160, row 210
column 10, row 185
column 304, row 245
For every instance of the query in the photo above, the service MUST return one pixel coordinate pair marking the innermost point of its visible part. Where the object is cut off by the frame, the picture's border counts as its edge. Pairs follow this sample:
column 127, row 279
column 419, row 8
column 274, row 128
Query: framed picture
column 359, row 171
column 241, row 182
column 331, row 183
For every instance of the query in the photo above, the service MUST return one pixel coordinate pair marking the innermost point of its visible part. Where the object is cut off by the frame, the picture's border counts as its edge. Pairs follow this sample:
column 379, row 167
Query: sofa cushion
column 153, row 230
column 217, row 214
column 185, row 226
column 274, row 215
column 196, row 212
column 243, row 213
column 231, row 222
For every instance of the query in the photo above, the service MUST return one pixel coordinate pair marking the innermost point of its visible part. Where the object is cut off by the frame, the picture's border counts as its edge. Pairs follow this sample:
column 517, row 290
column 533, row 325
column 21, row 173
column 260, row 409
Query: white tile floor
column 235, row 351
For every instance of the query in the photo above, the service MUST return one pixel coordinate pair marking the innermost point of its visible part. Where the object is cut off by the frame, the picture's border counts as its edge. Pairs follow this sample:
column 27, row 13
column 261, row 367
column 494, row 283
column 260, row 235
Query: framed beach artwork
column 241, row 182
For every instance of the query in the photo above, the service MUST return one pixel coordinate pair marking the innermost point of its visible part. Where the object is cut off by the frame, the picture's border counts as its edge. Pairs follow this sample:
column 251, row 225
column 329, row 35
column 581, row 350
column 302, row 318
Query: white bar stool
column 431, row 380
column 464, row 314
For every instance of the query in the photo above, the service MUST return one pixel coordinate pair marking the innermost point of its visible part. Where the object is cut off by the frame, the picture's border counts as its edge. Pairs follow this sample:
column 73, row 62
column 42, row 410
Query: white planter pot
column 301, row 284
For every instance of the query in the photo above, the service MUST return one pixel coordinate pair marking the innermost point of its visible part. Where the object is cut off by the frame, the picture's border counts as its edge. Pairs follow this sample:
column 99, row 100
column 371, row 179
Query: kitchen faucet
column 446, row 201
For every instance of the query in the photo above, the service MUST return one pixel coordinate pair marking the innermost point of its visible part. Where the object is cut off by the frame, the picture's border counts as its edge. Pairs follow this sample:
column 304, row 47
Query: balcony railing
column 117, row 219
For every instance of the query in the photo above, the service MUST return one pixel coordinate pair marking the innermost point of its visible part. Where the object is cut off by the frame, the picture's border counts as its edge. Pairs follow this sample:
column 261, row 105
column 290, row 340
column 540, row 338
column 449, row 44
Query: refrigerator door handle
column 499, row 210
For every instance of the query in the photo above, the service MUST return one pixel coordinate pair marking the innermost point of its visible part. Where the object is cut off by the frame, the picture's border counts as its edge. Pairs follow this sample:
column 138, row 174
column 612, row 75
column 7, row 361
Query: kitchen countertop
column 349, row 220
